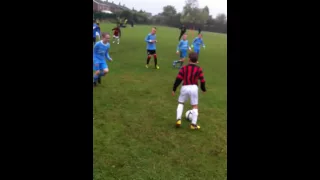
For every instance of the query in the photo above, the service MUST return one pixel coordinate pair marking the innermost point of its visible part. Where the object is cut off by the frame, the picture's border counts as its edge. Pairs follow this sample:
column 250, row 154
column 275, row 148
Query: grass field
column 134, row 113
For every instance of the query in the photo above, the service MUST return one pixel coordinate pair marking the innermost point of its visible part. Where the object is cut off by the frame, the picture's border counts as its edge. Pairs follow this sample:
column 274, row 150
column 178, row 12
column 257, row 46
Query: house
column 99, row 5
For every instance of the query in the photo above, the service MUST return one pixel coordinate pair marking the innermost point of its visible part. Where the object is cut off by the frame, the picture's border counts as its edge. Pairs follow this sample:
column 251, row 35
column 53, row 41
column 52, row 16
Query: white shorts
column 189, row 91
column 116, row 36
column 97, row 34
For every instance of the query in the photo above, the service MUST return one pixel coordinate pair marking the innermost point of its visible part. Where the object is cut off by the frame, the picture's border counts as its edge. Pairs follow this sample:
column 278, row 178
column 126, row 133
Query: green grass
column 134, row 113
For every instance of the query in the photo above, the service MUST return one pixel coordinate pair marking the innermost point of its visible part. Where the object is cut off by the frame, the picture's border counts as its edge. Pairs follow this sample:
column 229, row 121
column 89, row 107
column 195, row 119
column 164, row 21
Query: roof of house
column 110, row 4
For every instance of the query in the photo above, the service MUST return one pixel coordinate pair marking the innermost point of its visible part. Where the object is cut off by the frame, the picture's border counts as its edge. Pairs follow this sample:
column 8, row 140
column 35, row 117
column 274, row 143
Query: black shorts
column 151, row 52
column 94, row 40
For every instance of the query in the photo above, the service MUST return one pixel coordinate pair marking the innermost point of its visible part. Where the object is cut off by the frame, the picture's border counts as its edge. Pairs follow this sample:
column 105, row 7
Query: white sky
column 156, row 6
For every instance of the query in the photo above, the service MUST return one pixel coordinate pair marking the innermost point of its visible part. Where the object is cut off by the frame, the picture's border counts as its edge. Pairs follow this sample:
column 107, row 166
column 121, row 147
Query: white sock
column 194, row 116
column 179, row 111
column 118, row 41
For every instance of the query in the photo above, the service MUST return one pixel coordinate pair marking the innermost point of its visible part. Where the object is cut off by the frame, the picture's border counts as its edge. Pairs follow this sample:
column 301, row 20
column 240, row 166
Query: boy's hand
column 177, row 52
column 172, row 93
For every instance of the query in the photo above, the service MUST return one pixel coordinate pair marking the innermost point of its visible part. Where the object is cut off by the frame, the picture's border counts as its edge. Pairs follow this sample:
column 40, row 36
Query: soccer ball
column 189, row 115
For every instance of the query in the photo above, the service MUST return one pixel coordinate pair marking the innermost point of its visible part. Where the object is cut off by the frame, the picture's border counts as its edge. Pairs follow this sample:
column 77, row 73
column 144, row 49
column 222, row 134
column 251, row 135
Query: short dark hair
column 193, row 57
column 94, row 21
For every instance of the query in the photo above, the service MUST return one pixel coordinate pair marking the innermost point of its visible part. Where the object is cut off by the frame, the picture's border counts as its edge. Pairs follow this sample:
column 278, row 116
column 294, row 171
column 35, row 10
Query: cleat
column 178, row 123
column 147, row 66
column 157, row 67
column 192, row 126
column 174, row 64
column 99, row 80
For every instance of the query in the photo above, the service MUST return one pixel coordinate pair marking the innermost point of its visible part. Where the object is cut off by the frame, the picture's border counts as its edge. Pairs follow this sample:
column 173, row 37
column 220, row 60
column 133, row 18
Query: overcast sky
column 155, row 6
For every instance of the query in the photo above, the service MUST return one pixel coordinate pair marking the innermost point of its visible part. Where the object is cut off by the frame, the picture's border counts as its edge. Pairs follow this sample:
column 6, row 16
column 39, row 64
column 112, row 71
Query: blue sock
column 95, row 78
column 101, row 74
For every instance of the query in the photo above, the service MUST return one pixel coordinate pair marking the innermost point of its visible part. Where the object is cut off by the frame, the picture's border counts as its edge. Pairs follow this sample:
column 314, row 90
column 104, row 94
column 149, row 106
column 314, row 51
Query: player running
column 189, row 74
column 183, row 30
column 182, row 48
column 151, row 47
column 116, row 34
column 100, row 52
column 98, row 31
column 94, row 31
column 196, row 43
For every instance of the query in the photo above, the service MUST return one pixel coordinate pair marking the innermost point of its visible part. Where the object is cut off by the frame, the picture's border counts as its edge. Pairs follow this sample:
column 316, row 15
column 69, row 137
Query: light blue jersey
column 100, row 52
column 183, row 45
column 197, row 42
column 150, row 45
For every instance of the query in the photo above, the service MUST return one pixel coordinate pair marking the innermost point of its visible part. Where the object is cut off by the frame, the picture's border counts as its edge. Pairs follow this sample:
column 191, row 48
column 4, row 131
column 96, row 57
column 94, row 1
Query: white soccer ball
column 189, row 115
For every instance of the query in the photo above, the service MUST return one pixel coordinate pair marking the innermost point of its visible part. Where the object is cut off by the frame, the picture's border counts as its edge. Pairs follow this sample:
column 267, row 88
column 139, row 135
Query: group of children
column 189, row 74
column 183, row 48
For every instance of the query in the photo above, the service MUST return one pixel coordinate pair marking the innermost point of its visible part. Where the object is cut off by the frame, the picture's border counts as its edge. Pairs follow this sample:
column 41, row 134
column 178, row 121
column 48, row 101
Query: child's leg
column 183, row 97
column 96, row 77
column 155, row 60
column 183, row 54
column 194, row 103
column 103, row 71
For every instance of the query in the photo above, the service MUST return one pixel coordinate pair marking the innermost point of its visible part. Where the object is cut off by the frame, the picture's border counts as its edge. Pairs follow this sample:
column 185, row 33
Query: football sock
column 179, row 111
column 155, row 60
column 95, row 78
column 194, row 116
column 148, row 59
column 101, row 74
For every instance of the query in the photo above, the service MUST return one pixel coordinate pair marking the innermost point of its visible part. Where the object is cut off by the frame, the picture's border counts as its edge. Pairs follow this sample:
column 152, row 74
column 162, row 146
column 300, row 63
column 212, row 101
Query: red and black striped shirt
column 190, row 74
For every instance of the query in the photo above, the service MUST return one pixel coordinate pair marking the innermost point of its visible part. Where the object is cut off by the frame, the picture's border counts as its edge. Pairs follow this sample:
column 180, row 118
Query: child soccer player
column 183, row 30
column 116, row 34
column 94, row 31
column 182, row 48
column 189, row 74
column 197, row 42
column 100, row 52
column 151, row 47
column 98, row 31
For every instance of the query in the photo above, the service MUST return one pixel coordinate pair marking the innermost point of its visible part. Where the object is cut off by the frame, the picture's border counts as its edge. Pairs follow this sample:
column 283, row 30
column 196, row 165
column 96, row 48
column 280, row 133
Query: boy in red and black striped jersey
column 116, row 34
column 190, row 75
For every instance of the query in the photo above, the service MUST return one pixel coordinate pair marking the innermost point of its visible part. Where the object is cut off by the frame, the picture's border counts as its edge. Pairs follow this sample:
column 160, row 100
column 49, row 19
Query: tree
column 192, row 3
column 221, row 18
column 126, row 14
column 169, row 11
column 206, row 9
column 203, row 15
